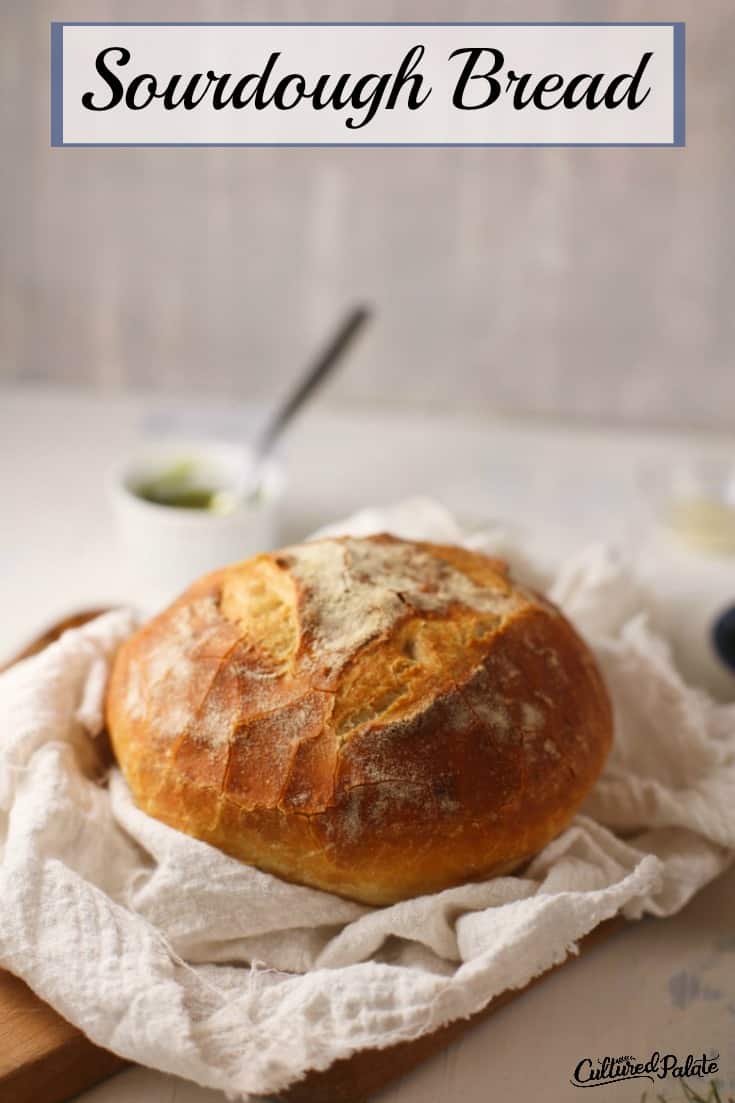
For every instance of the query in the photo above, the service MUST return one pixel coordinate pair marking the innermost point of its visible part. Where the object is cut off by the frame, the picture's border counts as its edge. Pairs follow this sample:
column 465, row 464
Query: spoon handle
column 317, row 372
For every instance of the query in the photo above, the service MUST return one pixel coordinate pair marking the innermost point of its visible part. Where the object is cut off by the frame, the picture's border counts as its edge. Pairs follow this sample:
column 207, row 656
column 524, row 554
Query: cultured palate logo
column 595, row 1072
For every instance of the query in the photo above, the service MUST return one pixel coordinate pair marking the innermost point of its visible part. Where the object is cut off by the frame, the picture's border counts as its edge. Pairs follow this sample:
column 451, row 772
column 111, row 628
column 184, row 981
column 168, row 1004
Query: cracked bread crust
column 372, row 717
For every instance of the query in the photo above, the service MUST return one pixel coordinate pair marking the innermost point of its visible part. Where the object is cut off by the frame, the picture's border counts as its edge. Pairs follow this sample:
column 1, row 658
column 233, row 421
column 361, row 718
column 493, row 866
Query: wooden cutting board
column 43, row 1059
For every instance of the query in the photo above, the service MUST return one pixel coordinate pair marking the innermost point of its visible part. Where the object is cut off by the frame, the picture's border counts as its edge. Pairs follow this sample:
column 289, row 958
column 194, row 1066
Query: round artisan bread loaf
column 372, row 717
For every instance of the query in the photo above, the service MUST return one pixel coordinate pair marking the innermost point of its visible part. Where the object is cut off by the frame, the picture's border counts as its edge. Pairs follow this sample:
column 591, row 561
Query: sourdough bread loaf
column 372, row 717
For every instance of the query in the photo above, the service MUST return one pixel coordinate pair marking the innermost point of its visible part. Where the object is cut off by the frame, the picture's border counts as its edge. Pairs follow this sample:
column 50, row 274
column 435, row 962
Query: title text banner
column 386, row 84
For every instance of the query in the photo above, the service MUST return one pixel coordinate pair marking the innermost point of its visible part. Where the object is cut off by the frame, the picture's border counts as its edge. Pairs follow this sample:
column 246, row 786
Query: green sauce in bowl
column 178, row 486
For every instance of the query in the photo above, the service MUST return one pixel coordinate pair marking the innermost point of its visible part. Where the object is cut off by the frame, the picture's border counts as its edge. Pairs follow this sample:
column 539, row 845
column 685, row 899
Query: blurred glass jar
column 693, row 502
column 684, row 535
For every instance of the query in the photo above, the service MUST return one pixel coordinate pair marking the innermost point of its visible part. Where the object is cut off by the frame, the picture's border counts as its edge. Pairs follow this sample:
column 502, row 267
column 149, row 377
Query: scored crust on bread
column 372, row 717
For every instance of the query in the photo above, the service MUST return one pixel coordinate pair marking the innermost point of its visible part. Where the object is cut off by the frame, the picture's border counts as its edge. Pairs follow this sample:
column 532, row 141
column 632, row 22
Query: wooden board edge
column 55, row 1060
column 60, row 1074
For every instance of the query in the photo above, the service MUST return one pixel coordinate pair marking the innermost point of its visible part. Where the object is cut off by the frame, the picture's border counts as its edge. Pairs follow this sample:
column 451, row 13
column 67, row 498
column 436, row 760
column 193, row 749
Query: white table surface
column 666, row 985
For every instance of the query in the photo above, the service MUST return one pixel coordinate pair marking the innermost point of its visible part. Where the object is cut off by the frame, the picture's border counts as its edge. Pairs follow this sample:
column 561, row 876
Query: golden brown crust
column 372, row 717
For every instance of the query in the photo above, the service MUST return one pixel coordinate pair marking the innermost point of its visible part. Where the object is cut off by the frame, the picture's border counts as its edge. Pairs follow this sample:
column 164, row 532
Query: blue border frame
column 680, row 81
column 57, row 89
column 57, row 84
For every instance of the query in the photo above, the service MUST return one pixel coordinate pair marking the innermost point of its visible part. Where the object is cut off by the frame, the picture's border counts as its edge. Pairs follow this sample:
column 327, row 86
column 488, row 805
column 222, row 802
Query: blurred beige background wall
column 591, row 283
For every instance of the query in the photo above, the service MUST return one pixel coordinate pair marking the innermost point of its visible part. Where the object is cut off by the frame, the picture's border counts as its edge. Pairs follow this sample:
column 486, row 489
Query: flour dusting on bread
column 354, row 591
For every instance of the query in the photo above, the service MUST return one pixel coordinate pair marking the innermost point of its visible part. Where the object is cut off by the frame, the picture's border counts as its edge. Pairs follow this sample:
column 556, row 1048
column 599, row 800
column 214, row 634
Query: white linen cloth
column 167, row 952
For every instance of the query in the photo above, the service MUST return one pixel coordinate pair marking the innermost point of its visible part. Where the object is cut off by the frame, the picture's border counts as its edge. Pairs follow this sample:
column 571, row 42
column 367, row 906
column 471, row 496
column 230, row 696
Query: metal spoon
column 225, row 501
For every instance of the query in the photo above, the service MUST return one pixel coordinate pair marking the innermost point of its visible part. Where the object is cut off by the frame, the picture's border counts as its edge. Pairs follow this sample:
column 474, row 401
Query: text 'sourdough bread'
column 372, row 717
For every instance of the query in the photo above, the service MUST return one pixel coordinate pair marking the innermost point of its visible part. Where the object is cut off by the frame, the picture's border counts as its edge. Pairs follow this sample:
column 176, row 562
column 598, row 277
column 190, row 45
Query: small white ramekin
column 168, row 547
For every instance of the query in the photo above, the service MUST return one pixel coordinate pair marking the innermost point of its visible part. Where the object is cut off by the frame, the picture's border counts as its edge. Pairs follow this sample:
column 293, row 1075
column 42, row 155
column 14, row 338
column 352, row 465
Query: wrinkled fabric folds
column 175, row 956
